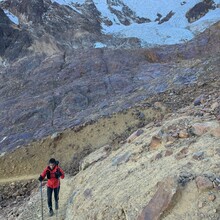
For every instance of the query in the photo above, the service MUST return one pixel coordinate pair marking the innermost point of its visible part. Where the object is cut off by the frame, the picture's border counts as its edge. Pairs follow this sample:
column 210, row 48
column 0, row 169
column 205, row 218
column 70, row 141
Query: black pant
column 49, row 196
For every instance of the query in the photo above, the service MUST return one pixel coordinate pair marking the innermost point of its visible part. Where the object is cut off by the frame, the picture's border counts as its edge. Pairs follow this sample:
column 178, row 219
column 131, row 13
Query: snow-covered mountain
column 151, row 21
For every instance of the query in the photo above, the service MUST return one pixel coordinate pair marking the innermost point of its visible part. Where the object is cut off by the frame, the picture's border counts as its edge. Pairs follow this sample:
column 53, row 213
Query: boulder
column 214, row 106
column 203, row 183
column 215, row 132
column 182, row 153
column 198, row 155
column 94, row 157
column 122, row 158
column 134, row 135
column 199, row 129
column 162, row 200
column 156, row 141
column 168, row 153
column 199, row 100
column 183, row 134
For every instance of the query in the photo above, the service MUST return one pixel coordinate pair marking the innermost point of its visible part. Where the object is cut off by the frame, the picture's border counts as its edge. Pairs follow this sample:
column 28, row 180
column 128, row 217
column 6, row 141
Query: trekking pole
column 57, row 214
column 41, row 193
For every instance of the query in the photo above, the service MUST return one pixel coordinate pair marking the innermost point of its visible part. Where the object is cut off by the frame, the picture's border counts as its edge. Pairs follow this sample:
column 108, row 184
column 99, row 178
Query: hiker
column 53, row 173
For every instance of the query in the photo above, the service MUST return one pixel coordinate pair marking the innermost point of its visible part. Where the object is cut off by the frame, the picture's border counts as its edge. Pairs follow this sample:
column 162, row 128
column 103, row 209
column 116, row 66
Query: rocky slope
column 53, row 78
column 165, row 170
column 75, row 89
column 136, row 126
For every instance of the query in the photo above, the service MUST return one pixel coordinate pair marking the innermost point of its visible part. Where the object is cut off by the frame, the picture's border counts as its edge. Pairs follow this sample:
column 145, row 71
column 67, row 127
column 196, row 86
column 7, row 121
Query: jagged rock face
column 51, row 27
column 199, row 10
column 27, row 11
column 126, row 16
column 61, row 91
column 9, row 34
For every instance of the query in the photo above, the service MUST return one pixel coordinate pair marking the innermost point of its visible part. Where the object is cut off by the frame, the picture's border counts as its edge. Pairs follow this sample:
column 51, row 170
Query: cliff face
column 41, row 94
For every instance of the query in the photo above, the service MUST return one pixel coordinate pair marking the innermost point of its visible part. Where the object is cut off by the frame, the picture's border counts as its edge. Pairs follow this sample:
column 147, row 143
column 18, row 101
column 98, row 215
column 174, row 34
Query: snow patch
column 203, row 23
column 2, row 154
column 69, row 2
column 176, row 30
column 4, row 138
column 99, row 45
column 12, row 17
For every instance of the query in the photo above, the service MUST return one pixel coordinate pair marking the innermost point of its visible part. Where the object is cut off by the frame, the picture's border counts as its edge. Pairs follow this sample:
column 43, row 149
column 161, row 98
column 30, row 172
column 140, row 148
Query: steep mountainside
column 53, row 78
column 168, row 169
column 125, row 94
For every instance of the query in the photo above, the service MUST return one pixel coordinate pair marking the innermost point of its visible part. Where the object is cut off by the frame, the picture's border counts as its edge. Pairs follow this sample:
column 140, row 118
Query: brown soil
column 31, row 159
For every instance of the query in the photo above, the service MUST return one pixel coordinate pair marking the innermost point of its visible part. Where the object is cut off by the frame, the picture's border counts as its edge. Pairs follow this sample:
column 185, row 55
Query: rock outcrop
column 199, row 10
column 41, row 95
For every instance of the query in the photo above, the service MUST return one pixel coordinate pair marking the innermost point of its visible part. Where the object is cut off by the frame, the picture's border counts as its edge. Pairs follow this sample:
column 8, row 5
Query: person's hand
column 40, row 178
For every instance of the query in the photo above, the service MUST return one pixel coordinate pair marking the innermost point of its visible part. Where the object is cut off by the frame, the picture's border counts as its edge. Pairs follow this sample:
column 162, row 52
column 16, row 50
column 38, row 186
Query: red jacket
column 53, row 182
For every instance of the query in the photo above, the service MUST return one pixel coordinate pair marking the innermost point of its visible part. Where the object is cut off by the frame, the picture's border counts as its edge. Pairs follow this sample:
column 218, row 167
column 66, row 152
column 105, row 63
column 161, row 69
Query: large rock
column 94, row 157
column 199, row 129
column 156, row 142
column 134, row 135
column 212, row 127
column 203, row 183
column 199, row 10
column 161, row 201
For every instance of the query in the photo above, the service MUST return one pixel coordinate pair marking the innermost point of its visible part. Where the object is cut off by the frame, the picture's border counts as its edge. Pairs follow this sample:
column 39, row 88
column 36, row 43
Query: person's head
column 52, row 163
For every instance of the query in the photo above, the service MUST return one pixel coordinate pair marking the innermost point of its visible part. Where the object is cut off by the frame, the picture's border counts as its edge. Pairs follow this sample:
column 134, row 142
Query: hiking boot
column 51, row 212
column 56, row 205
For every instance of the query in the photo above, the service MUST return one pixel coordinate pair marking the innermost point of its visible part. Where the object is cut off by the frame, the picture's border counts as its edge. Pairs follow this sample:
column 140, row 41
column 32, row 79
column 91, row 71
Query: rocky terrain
column 48, row 81
column 75, row 89
column 168, row 169
column 135, row 126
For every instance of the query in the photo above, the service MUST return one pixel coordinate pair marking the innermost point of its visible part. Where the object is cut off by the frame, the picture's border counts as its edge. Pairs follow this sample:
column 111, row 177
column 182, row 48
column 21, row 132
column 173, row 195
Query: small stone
column 175, row 135
column 198, row 155
column 134, row 135
column 155, row 142
column 199, row 129
column 199, row 100
column 203, row 183
column 158, row 156
column 168, row 153
column 171, row 139
column 212, row 197
column 214, row 106
column 55, row 136
column 182, row 153
column 183, row 134
column 215, row 132
column 201, row 204
column 119, row 159
column 87, row 193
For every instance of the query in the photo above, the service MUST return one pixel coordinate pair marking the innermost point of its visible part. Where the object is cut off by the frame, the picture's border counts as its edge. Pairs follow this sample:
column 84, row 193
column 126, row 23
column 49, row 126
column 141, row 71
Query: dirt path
column 18, row 178
column 34, row 207
column 31, row 209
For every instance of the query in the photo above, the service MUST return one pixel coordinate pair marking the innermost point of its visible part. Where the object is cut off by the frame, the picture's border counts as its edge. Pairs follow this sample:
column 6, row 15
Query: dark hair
column 52, row 160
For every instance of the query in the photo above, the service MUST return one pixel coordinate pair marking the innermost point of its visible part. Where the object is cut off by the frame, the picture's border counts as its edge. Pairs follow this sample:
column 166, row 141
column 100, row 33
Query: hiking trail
column 31, row 210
